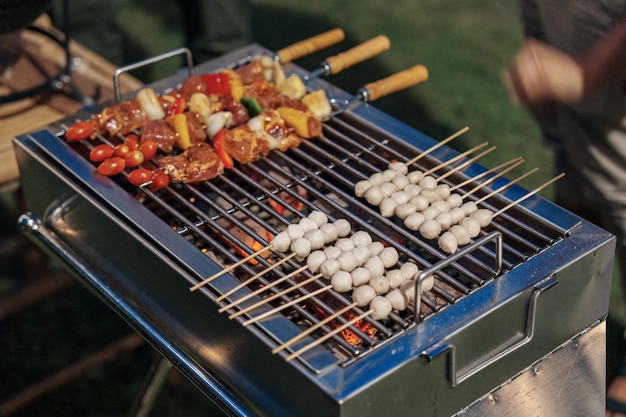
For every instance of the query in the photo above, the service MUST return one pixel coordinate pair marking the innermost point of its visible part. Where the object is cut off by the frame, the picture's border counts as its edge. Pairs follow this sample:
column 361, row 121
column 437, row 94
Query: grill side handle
column 449, row 349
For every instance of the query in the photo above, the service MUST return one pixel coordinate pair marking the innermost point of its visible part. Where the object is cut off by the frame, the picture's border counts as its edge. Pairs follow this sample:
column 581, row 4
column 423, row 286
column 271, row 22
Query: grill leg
column 154, row 382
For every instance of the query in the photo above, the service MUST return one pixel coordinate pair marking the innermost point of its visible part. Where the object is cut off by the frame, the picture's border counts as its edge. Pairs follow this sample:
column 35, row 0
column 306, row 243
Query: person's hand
column 540, row 73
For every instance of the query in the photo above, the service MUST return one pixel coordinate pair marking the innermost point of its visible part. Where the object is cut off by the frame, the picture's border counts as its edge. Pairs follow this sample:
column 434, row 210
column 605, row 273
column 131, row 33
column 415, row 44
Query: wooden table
column 29, row 59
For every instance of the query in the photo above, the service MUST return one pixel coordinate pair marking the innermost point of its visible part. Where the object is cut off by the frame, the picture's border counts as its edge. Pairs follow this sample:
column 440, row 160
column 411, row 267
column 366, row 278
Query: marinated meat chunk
column 161, row 133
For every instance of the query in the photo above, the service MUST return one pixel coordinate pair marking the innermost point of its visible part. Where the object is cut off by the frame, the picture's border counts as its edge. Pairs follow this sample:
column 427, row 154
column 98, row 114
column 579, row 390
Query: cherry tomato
column 148, row 149
column 133, row 158
column 132, row 141
column 79, row 131
column 159, row 180
column 100, row 153
column 139, row 176
column 121, row 150
column 111, row 166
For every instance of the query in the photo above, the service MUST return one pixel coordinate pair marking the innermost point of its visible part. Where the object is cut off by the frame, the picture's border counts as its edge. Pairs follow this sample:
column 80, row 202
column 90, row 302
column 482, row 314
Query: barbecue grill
column 514, row 323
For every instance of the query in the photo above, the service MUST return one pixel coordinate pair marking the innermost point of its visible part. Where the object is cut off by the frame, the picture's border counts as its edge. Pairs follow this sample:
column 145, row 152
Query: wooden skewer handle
column 396, row 82
column 359, row 53
column 310, row 45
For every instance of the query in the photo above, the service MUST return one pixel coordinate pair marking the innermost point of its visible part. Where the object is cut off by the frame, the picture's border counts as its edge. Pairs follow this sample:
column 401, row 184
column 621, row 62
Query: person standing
column 570, row 73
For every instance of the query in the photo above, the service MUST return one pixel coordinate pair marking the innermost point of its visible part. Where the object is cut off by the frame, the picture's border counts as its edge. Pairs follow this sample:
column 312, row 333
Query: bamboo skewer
column 252, row 279
column 327, row 336
column 505, row 186
column 494, row 178
column 456, row 158
column 230, row 268
column 264, row 288
column 284, row 306
column 438, row 145
column 465, row 164
column 531, row 193
column 275, row 296
column 516, row 162
column 313, row 328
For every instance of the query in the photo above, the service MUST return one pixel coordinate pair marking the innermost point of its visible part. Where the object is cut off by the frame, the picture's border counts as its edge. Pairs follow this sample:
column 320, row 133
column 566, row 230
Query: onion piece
column 149, row 103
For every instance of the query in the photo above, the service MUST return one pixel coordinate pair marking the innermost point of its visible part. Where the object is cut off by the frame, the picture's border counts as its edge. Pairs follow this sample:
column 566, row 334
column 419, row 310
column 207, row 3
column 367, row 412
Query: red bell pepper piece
column 218, row 83
column 177, row 107
column 218, row 146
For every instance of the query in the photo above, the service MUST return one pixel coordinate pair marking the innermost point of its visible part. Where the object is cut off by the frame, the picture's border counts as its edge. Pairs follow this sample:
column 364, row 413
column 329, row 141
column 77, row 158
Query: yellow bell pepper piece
column 236, row 86
column 179, row 123
column 295, row 119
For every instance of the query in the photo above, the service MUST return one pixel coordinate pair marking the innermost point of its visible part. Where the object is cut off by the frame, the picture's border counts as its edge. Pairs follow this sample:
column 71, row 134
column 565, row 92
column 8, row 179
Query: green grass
column 465, row 45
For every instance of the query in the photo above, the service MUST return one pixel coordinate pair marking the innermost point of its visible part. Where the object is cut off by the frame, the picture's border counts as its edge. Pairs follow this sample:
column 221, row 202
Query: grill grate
column 239, row 212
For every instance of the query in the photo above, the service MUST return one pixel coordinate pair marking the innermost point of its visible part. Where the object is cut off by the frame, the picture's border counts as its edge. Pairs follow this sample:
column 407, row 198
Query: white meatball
column 316, row 238
column 461, row 234
column 414, row 221
column 430, row 212
column 315, row 260
column 374, row 195
column 409, row 270
column 483, row 216
column 281, row 242
column 307, row 224
column 377, row 178
column 380, row 284
column 381, row 307
column 395, row 277
column 400, row 181
column 404, row 210
column 428, row 283
column 457, row 214
column 401, row 197
column 348, row 261
column 375, row 266
column 399, row 301
column 332, row 252
column 343, row 227
column 428, row 183
column 361, row 187
column 389, row 175
column 387, row 207
column 444, row 219
column 447, row 242
column 341, row 281
column 408, row 288
column 360, row 276
column 363, row 295
column 375, row 248
column 361, row 238
column 388, row 188
column 399, row 167
column 362, row 254
column 415, row 177
column 389, row 256
column 412, row 190
column 454, row 200
column 430, row 229
column 419, row 202
column 301, row 246
column 471, row 225
column 441, row 205
column 330, row 267
column 330, row 232
column 345, row 244
column 469, row 207
column 443, row 191
column 318, row 217
column 295, row 231
column 430, row 195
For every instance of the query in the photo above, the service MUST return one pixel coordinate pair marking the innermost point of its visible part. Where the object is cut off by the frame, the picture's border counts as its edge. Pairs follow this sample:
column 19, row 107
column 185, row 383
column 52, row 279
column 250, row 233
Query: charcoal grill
column 508, row 315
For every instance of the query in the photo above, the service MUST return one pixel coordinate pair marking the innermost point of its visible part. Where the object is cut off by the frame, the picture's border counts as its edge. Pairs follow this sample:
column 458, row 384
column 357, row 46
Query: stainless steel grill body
column 435, row 365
